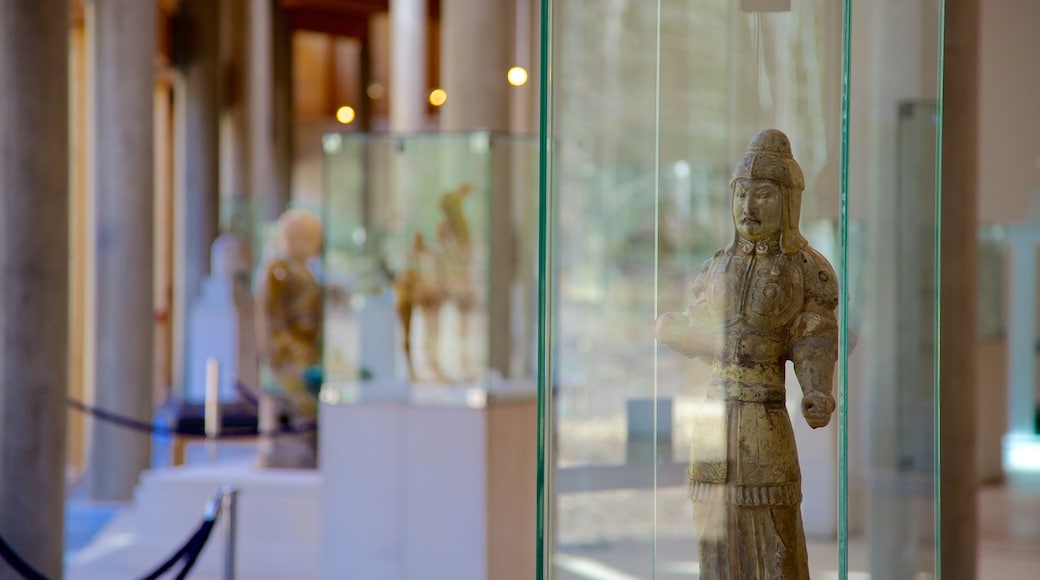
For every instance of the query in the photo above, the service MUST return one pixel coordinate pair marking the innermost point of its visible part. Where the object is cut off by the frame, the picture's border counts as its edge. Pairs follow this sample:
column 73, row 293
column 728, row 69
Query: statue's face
column 757, row 208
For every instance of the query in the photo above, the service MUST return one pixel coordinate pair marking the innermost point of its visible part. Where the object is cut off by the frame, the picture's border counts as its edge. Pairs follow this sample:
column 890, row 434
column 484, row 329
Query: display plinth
column 430, row 491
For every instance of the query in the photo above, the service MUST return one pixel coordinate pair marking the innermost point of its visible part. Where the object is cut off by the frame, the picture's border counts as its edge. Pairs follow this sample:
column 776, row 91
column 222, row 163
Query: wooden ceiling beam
column 353, row 26
column 351, row 6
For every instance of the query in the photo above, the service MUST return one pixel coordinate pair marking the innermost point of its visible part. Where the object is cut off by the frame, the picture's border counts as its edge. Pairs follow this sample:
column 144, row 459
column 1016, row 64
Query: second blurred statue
column 435, row 276
column 765, row 299
column 289, row 317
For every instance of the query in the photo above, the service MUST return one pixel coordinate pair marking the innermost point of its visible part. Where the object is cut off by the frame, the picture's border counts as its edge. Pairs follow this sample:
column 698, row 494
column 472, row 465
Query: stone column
column 408, row 90
column 261, row 112
column 197, row 177
column 282, row 108
column 958, row 337
column 123, row 33
column 235, row 128
column 34, row 257
column 476, row 49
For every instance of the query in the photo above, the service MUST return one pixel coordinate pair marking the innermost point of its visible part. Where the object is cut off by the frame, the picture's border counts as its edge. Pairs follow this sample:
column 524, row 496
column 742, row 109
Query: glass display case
column 737, row 367
column 429, row 350
column 428, row 263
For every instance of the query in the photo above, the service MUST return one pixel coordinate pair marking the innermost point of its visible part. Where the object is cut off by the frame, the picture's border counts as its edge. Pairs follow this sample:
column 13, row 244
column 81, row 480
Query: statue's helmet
column 769, row 157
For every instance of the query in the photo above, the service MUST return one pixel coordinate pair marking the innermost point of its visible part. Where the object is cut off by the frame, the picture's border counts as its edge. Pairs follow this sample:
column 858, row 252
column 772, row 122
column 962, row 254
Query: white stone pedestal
column 438, row 490
column 278, row 519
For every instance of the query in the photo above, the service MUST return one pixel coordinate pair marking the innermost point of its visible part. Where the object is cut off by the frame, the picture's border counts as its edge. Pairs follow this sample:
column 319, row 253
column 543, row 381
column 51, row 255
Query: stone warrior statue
column 765, row 299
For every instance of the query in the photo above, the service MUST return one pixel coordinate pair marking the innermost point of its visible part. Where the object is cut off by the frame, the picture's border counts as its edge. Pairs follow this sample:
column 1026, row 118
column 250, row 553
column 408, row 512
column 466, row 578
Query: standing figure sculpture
column 765, row 299
column 289, row 317
column 418, row 285
column 433, row 276
column 453, row 234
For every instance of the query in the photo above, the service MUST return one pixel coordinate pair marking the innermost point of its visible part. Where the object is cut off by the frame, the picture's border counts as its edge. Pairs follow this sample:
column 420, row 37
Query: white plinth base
column 278, row 522
column 429, row 492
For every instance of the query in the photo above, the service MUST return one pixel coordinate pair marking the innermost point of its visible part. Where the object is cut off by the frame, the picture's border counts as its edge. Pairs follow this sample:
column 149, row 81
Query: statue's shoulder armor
column 707, row 267
column 821, row 284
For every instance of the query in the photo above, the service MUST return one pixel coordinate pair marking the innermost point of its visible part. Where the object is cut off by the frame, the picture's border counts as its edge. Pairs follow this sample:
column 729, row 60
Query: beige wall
column 1009, row 118
column 1009, row 175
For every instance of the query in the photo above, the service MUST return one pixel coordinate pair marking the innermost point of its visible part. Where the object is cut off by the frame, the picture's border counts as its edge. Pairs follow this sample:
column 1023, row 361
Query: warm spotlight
column 345, row 115
column 517, row 76
column 438, row 97
column 375, row 91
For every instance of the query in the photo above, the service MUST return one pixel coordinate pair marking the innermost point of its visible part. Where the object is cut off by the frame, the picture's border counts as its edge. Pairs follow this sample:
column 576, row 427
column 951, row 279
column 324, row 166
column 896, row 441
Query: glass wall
column 739, row 325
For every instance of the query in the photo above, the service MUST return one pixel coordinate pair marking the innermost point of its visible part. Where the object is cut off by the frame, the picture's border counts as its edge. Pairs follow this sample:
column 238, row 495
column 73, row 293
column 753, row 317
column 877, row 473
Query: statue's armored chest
column 763, row 291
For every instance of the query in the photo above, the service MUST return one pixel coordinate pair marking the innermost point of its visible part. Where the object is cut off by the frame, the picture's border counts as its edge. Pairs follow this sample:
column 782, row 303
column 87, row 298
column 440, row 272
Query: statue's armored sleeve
column 813, row 338
column 701, row 339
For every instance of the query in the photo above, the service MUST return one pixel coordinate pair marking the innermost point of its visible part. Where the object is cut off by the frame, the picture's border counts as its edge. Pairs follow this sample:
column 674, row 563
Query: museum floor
column 1009, row 546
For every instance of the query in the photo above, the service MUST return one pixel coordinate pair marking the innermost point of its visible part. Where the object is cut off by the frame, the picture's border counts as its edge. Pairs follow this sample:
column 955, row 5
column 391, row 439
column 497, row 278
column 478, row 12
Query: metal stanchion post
column 212, row 417
column 229, row 503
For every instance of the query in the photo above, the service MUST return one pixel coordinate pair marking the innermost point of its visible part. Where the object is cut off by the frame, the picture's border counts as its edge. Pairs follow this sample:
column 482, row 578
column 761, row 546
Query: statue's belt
column 784, row 494
column 734, row 390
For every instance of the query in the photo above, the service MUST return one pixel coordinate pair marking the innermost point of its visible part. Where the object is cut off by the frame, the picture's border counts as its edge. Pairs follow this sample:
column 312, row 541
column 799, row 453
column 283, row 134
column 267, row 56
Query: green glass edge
column 657, row 262
column 843, row 337
column 936, row 321
column 544, row 490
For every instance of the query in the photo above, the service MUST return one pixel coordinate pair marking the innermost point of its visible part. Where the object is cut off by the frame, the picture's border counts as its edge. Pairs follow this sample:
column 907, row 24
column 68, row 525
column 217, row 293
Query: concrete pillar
column 282, row 111
column 958, row 477
column 34, row 257
column 235, row 129
column 124, row 45
column 261, row 111
column 476, row 52
column 408, row 90
column 524, row 101
column 197, row 161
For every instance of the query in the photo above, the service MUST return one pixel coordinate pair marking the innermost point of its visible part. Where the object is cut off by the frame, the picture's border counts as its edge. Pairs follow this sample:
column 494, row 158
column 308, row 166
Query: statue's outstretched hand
column 817, row 408
column 671, row 329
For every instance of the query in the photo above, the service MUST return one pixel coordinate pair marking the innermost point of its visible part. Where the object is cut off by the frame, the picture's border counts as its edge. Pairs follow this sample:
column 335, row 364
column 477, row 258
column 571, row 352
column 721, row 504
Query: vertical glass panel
column 892, row 257
column 691, row 293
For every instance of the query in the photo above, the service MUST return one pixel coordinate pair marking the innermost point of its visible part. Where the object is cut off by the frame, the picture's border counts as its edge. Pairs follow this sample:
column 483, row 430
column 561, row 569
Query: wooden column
column 34, row 259
column 79, row 216
column 958, row 477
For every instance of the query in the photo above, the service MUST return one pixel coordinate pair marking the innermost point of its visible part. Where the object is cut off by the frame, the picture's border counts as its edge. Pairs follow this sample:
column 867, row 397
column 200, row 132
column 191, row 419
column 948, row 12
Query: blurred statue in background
column 453, row 234
column 289, row 316
column 418, row 285
column 765, row 299
column 437, row 275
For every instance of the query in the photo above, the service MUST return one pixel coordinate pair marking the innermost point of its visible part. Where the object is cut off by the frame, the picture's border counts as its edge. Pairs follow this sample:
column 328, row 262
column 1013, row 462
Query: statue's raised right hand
column 672, row 330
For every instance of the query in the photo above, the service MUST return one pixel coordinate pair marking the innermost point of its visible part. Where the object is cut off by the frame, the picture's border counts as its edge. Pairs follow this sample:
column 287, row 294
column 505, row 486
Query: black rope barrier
column 187, row 553
column 148, row 427
column 193, row 555
column 17, row 563
column 191, row 549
